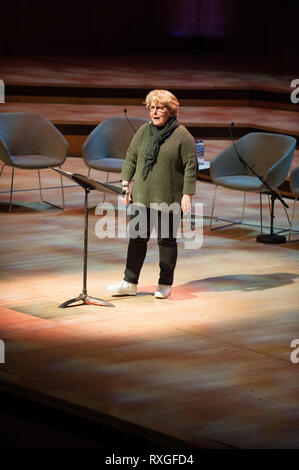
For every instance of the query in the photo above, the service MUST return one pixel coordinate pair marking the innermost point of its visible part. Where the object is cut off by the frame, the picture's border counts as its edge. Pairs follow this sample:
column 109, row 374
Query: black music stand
column 88, row 185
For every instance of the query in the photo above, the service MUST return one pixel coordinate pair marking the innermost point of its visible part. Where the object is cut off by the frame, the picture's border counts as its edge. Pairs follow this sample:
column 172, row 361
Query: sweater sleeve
column 129, row 166
column 188, row 150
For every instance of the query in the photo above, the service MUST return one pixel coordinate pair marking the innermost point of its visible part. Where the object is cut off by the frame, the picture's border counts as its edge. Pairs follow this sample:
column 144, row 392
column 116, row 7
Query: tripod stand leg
column 67, row 303
column 94, row 301
column 86, row 300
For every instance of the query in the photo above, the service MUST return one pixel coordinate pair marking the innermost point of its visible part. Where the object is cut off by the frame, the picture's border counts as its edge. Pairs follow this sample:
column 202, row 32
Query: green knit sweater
column 173, row 174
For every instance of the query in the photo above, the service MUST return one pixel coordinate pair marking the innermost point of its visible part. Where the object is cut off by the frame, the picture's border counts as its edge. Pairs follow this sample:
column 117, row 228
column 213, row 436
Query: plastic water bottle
column 200, row 149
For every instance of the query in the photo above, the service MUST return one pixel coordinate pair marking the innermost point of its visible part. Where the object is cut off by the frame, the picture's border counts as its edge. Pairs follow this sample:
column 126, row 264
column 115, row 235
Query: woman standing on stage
column 162, row 160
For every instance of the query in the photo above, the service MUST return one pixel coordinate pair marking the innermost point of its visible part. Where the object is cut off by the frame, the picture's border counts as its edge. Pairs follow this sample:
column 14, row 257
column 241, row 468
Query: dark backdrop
column 265, row 28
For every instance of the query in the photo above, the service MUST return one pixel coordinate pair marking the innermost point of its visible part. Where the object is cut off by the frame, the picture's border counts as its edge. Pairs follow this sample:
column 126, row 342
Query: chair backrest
column 111, row 138
column 262, row 151
column 31, row 134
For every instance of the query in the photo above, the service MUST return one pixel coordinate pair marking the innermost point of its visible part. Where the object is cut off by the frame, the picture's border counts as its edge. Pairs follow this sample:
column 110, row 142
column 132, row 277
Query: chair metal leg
column 243, row 210
column 40, row 185
column 292, row 219
column 62, row 190
column 243, row 213
column 11, row 189
column 261, row 211
column 231, row 222
column 40, row 189
column 41, row 194
column 107, row 179
column 213, row 205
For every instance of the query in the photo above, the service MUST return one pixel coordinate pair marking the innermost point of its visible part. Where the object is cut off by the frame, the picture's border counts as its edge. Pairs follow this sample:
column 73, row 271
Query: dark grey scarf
column 156, row 139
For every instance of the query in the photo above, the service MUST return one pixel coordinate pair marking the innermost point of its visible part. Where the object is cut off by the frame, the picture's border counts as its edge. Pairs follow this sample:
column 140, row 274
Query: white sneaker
column 123, row 288
column 162, row 291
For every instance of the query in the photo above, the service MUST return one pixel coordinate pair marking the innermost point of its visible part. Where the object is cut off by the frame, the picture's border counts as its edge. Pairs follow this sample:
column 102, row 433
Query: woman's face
column 159, row 114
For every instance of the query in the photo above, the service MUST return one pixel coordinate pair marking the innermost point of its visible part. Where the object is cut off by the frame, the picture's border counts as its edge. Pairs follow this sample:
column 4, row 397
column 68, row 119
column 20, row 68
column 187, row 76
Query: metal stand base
column 83, row 297
column 88, row 185
column 271, row 238
column 86, row 300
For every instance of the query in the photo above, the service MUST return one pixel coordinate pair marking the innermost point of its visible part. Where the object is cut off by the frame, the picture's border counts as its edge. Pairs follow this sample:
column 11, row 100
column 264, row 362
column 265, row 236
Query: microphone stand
column 125, row 113
column 271, row 237
column 87, row 184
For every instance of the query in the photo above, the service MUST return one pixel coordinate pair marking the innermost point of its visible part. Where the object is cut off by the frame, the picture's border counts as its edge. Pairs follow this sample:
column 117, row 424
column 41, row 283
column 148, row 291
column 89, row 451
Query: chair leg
column 261, row 211
column 213, row 206
column 230, row 221
column 41, row 194
column 2, row 169
column 292, row 219
column 11, row 189
column 107, row 179
column 62, row 190
column 40, row 185
column 244, row 204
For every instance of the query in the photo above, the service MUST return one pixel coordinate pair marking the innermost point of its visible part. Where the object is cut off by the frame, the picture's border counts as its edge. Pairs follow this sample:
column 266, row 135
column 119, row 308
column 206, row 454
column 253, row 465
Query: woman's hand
column 126, row 198
column 186, row 203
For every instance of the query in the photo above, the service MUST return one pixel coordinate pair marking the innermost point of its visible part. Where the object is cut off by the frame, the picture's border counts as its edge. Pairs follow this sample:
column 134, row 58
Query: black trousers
column 166, row 236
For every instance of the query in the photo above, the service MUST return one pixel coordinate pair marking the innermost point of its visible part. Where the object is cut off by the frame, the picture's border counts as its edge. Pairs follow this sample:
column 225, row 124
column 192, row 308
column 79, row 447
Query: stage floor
column 210, row 366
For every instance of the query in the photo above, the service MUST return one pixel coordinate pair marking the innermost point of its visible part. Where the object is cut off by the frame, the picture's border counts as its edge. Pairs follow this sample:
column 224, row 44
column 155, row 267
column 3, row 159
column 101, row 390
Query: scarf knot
column 156, row 139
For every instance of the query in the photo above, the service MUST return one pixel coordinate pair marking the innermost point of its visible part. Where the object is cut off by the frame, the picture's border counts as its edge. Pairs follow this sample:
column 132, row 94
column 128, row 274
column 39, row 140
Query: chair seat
column 34, row 162
column 113, row 165
column 240, row 182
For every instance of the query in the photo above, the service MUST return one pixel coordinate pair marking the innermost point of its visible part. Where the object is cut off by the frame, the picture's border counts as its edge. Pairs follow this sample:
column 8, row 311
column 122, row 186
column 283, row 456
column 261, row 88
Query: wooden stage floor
column 211, row 366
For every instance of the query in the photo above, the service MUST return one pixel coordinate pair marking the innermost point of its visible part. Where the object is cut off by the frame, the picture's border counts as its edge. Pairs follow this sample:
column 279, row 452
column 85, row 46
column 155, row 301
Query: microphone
column 125, row 112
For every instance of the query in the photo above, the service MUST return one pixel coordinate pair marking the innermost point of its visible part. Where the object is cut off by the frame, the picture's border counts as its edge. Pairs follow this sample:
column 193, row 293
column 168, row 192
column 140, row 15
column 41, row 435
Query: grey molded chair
column 30, row 141
column 106, row 146
column 294, row 184
column 269, row 154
